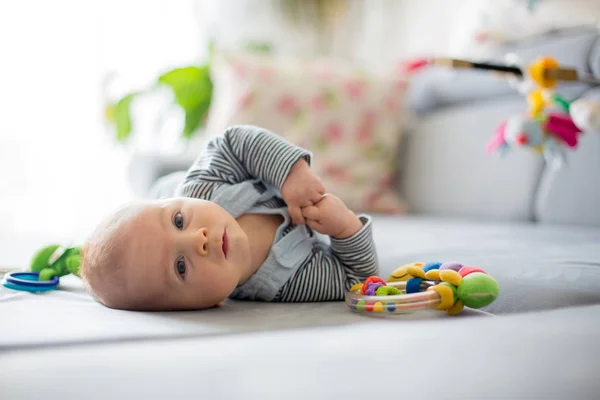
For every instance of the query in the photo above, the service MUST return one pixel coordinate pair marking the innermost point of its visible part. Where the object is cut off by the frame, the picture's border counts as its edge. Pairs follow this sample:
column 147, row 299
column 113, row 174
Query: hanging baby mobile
column 552, row 124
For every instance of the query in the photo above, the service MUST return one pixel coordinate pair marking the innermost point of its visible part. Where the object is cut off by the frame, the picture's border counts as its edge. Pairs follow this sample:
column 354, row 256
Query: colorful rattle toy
column 47, row 266
column 418, row 286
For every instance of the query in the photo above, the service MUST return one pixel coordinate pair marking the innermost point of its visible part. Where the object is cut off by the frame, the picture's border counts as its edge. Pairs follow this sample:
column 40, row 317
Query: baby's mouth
column 225, row 243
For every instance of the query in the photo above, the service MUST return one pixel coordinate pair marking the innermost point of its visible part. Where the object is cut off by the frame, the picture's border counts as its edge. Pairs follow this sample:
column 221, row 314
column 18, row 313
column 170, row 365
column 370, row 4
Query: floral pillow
column 351, row 121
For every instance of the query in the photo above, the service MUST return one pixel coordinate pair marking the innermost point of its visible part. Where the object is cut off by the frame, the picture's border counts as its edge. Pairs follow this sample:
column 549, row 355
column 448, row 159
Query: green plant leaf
column 193, row 119
column 191, row 85
column 192, row 88
column 122, row 117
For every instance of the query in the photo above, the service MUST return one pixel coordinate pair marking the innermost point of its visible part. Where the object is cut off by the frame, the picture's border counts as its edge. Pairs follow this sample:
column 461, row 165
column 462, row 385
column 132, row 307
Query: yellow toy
column 400, row 274
column 541, row 97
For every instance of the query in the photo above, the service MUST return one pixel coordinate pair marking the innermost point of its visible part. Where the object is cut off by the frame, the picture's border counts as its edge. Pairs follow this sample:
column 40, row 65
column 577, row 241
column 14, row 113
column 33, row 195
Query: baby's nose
column 201, row 241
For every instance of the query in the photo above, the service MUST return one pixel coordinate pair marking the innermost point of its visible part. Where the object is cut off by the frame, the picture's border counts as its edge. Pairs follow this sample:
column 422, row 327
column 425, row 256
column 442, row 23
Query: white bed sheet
column 561, row 271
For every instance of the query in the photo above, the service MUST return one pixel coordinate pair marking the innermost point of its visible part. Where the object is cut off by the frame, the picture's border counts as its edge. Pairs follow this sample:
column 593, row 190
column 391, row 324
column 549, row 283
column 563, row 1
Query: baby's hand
column 301, row 188
column 330, row 216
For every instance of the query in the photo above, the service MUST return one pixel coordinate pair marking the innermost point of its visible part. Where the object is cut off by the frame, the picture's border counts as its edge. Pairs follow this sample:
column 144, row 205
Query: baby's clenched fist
column 301, row 188
column 330, row 216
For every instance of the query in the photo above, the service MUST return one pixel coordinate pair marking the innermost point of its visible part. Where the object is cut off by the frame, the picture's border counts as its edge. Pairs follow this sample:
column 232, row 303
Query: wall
column 373, row 32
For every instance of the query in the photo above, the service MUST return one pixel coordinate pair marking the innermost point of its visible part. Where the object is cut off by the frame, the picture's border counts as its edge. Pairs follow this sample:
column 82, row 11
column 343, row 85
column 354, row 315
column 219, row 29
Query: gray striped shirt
column 249, row 153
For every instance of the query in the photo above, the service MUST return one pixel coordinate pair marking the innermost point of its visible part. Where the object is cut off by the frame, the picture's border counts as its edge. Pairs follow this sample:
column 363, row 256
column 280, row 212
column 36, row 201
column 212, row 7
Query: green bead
column 360, row 306
column 478, row 290
column 387, row 291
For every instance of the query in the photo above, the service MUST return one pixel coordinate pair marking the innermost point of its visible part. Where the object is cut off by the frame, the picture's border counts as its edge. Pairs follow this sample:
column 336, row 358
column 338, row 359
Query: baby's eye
column 180, row 265
column 178, row 221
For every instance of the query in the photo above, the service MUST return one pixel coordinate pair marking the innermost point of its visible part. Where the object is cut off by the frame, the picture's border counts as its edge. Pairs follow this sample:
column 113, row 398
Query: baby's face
column 190, row 252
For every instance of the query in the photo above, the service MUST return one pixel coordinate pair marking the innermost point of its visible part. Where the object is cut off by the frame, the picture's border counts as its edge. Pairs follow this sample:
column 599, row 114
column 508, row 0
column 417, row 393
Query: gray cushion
column 571, row 195
column 595, row 59
column 446, row 171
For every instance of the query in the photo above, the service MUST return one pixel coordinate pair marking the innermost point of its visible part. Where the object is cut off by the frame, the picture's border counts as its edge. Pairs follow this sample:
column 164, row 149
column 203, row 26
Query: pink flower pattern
column 355, row 89
column 339, row 173
column 333, row 132
column 366, row 128
column 240, row 70
column 266, row 73
column 400, row 86
column 318, row 103
column 324, row 73
column 287, row 105
column 245, row 100
column 385, row 181
column 391, row 103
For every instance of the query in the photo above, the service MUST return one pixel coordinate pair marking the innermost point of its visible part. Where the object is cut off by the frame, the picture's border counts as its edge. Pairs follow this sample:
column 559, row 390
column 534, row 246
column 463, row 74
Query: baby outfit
column 243, row 171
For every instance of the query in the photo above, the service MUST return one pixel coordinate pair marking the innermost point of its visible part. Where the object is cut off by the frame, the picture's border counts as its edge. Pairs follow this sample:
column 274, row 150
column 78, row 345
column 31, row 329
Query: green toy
column 56, row 261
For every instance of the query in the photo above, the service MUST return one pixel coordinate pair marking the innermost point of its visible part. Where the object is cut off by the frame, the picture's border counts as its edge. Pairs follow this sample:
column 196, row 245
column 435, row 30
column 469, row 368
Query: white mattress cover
column 561, row 271
column 543, row 355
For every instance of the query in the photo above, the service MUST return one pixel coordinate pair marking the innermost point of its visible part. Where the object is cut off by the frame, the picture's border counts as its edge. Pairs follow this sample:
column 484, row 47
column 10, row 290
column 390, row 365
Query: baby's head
column 170, row 254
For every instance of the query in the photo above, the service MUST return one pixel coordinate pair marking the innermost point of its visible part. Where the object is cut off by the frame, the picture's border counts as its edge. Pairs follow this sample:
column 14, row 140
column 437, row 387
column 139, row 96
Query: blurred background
column 99, row 99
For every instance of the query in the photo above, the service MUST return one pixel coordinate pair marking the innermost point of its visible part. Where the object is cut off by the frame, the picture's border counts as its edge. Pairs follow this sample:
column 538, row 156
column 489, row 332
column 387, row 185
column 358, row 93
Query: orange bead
column 537, row 71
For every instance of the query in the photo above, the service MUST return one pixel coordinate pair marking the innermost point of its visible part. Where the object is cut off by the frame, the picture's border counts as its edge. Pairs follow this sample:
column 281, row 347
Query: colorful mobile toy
column 548, row 126
column 419, row 286
column 551, row 124
column 47, row 266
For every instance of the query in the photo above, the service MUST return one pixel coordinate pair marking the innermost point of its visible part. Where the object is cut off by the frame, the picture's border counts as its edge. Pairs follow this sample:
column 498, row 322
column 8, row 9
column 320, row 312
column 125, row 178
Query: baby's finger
column 321, row 187
column 315, row 226
column 316, row 197
column 296, row 215
column 311, row 213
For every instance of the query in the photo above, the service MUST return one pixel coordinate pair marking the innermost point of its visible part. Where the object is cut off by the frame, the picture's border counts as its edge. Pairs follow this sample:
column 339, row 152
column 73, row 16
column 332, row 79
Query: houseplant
column 191, row 85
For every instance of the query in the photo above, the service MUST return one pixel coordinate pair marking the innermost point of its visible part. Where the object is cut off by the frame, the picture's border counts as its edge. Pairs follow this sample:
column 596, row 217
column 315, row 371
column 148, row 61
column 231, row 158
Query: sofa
column 535, row 229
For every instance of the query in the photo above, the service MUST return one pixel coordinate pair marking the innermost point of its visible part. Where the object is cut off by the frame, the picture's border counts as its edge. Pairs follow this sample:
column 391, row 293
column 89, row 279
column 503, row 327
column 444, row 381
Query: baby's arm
column 240, row 154
column 330, row 271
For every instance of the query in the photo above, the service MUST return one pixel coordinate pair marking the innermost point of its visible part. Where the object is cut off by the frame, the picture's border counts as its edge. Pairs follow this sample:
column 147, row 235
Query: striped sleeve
column 330, row 272
column 243, row 152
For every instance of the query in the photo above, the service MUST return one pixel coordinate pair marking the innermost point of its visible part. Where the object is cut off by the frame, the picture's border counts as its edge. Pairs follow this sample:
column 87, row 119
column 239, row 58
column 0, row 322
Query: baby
column 250, row 221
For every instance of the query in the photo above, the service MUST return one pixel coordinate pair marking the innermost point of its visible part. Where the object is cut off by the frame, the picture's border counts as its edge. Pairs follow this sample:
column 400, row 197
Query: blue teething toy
column 29, row 282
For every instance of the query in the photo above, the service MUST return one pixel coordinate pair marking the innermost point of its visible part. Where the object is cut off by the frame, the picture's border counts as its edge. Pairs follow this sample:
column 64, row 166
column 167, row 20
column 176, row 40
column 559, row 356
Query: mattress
column 537, row 267
column 542, row 355
column 535, row 338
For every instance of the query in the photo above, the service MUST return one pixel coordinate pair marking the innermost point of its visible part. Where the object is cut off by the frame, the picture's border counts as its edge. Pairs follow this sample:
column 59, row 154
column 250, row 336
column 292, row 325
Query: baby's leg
column 165, row 186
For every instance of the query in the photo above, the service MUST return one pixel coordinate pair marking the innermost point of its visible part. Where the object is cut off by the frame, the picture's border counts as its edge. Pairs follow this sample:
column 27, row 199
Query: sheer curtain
column 60, row 169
